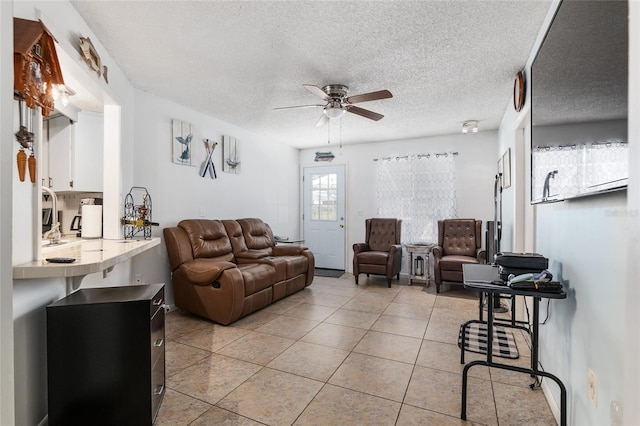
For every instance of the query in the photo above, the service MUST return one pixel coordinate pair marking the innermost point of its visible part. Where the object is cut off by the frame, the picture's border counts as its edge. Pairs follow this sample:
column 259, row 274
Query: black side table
column 105, row 356
column 480, row 278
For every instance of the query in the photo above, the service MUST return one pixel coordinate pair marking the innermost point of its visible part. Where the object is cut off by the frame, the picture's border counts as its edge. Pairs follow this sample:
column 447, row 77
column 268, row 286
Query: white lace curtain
column 579, row 168
column 420, row 190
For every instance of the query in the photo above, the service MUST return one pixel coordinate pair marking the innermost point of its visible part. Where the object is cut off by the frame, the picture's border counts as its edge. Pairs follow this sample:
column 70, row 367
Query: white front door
column 324, row 221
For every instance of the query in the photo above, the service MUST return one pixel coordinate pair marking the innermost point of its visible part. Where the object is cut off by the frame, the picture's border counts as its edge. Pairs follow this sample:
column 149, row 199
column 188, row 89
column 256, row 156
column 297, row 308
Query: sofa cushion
column 257, row 277
column 234, row 231
column 208, row 239
column 296, row 265
column 257, row 234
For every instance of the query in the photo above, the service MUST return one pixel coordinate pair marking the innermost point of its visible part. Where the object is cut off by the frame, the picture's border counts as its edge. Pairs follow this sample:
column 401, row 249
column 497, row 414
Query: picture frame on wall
column 181, row 137
column 500, row 173
column 506, row 168
column 230, row 155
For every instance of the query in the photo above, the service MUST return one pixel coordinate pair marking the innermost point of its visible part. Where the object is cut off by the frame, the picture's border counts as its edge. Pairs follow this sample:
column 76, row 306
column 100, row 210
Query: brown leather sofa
column 226, row 269
column 459, row 242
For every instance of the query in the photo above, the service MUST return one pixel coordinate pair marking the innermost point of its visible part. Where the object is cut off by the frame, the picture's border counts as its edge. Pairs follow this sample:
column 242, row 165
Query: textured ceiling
column 444, row 61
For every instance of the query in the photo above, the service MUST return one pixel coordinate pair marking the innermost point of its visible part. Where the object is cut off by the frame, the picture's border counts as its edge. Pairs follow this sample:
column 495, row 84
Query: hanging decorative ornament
column 22, row 164
column 31, row 162
column 24, row 136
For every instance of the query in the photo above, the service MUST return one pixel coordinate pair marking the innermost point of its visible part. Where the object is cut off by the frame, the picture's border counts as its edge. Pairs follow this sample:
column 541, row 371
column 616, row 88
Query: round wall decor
column 518, row 91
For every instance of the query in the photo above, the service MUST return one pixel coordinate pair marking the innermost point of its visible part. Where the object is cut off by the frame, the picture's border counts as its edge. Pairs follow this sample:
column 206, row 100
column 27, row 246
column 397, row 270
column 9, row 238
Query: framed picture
column 181, row 137
column 500, row 171
column 506, row 165
column 230, row 155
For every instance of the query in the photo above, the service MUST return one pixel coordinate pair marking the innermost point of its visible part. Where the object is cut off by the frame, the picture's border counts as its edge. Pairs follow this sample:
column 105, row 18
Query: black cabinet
column 105, row 356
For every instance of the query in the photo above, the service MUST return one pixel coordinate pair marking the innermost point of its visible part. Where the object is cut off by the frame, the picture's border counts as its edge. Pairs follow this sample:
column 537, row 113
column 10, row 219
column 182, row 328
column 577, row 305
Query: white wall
column 7, row 159
column 475, row 168
column 267, row 187
column 632, row 313
column 29, row 298
column 586, row 241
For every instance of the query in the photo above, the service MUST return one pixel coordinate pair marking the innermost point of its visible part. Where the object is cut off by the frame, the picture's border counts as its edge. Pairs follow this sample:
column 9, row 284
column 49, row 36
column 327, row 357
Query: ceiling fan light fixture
column 334, row 112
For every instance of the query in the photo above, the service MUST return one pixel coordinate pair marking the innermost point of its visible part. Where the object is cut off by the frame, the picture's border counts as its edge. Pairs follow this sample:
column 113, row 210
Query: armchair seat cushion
column 373, row 258
column 455, row 262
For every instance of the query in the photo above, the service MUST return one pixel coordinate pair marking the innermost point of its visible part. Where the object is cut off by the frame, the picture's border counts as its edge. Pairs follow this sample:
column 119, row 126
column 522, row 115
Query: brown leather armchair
column 381, row 253
column 459, row 242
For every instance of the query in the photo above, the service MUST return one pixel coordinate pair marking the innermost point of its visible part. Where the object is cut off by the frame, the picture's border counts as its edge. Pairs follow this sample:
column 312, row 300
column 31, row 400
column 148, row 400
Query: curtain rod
column 406, row 157
column 610, row 143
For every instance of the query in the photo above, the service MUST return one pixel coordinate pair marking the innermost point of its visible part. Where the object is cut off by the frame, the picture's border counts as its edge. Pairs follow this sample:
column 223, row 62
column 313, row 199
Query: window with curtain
column 420, row 190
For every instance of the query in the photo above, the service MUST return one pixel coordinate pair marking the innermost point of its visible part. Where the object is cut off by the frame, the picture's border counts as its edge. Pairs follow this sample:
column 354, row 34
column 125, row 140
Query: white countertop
column 91, row 256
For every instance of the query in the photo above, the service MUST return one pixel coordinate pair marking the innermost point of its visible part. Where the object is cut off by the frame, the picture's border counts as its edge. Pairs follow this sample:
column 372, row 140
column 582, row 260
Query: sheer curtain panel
column 420, row 190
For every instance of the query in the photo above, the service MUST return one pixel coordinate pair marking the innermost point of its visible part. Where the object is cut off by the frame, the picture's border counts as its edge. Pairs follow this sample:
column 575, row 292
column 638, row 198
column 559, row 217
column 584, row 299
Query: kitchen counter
column 91, row 256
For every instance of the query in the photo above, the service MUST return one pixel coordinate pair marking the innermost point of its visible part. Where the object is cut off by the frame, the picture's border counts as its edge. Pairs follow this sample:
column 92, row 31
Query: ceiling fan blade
column 323, row 120
column 366, row 97
column 299, row 106
column 315, row 90
column 365, row 113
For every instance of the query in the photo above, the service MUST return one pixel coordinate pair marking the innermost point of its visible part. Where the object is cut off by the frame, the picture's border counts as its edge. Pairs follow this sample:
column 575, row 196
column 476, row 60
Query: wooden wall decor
column 35, row 64
column 91, row 57
column 230, row 155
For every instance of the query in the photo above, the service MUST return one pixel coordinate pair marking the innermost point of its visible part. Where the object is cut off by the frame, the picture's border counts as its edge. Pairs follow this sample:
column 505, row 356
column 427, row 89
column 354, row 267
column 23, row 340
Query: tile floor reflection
column 337, row 353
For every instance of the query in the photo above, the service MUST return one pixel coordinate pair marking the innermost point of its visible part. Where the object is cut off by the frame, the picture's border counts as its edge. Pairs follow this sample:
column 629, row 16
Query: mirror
column 579, row 103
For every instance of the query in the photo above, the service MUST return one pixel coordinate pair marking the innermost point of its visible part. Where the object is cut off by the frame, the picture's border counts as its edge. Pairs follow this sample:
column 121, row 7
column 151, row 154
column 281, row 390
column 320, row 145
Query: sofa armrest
column 204, row 271
column 437, row 252
column 481, row 255
column 394, row 263
column 360, row 247
column 178, row 246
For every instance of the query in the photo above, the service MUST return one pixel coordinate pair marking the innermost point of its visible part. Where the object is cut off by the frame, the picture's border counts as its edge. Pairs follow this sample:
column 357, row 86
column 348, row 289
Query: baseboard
column 553, row 405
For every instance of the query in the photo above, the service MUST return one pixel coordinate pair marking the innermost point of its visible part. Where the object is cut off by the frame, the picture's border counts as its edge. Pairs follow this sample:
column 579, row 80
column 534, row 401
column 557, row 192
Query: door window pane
column 324, row 196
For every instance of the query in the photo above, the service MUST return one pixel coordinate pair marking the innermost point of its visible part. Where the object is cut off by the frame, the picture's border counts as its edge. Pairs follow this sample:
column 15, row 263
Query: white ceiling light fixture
column 470, row 126
column 334, row 110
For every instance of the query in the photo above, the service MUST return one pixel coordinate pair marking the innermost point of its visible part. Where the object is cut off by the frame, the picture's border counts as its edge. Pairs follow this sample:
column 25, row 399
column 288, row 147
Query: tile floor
column 337, row 353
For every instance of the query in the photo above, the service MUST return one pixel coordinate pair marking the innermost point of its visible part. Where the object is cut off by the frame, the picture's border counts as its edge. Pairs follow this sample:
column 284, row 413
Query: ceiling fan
column 337, row 102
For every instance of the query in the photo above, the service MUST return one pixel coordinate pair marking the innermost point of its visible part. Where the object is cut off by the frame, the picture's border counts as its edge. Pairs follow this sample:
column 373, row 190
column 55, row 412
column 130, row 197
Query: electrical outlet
column 592, row 387
column 616, row 413
column 202, row 212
